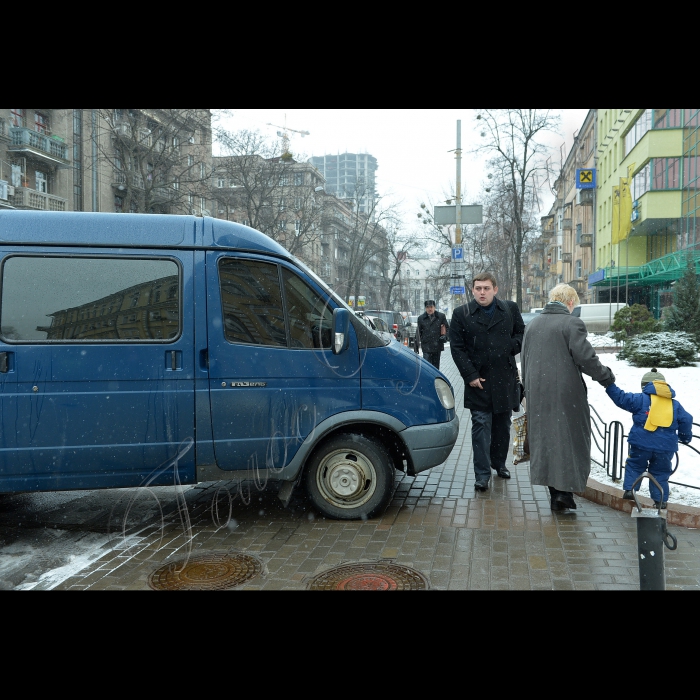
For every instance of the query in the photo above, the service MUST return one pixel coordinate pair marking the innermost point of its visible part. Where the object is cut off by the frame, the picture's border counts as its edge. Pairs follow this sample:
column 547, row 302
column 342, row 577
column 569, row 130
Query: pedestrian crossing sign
column 585, row 178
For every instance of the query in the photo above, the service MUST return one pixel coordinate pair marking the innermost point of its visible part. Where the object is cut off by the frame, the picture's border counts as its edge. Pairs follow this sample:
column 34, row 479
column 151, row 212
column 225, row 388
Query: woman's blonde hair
column 564, row 293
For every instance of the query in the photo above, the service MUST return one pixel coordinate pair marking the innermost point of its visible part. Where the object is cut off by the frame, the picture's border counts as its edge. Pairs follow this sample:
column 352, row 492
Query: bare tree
column 365, row 248
column 399, row 249
column 161, row 158
column 512, row 136
column 256, row 183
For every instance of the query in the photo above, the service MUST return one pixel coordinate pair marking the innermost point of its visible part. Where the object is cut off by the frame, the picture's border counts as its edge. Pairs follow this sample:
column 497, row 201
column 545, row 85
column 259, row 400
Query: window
column 202, row 203
column 17, row 117
column 282, row 224
column 284, row 180
column 43, row 296
column 639, row 128
column 190, row 161
column 118, row 204
column 298, row 178
column 310, row 317
column 579, row 269
column 41, row 123
column 297, row 226
column 176, row 183
column 41, row 181
column 251, row 299
column 202, row 170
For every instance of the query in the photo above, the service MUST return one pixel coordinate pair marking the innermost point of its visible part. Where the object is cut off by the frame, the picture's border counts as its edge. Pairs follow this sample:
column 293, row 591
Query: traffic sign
column 471, row 214
column 457, row 253
column 585, row 178
column 456, row 290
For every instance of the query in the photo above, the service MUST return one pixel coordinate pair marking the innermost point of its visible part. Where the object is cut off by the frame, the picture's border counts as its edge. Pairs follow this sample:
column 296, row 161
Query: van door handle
column 175, row 356
column 4, row 364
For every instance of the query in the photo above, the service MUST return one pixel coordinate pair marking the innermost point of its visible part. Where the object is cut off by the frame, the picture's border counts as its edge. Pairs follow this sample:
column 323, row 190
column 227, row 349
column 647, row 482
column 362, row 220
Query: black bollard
column 652, row 536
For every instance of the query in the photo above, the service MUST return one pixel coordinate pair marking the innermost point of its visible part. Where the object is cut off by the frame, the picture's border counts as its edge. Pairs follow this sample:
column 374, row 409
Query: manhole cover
column 206, row 572
column 377, row 576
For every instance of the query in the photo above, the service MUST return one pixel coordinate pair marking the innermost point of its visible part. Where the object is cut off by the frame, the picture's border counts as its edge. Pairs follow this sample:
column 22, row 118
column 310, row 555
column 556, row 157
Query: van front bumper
column 430, row 445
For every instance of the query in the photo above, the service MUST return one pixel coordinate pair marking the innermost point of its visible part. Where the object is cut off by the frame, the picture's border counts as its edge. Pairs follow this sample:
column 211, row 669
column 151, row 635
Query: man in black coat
column 485, row 337
column 431, row 325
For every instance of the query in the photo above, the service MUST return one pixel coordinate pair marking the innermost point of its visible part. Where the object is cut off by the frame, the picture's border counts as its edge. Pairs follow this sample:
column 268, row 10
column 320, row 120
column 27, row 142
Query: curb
column 685, row 516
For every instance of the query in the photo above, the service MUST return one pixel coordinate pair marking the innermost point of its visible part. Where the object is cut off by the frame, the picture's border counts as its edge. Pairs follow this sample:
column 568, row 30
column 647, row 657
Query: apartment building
column 111, row 160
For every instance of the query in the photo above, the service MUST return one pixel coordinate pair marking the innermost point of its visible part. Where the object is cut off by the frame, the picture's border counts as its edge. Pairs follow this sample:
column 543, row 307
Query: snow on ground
column 686, row 383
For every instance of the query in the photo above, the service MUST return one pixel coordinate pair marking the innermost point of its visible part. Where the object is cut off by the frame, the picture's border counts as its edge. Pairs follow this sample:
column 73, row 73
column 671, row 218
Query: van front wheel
column 350, row 477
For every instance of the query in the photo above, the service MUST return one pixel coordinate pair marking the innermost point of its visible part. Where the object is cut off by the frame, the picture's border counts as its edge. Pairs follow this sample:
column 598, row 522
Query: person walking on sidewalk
column 659, row 421
column 485, row 337
column 431, row 333
column 555, row 353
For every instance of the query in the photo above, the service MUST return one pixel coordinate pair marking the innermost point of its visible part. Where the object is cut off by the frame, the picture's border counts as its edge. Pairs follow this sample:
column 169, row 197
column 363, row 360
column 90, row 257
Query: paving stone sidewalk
column 504, row 539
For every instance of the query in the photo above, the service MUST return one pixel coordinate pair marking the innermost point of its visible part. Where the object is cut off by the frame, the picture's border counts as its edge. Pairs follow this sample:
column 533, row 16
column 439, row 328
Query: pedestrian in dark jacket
column 485, row 337
column 659, row 421
column 431, row 333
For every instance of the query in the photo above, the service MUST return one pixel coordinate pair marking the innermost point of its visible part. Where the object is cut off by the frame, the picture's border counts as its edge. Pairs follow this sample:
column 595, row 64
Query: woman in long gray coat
column 555, row 353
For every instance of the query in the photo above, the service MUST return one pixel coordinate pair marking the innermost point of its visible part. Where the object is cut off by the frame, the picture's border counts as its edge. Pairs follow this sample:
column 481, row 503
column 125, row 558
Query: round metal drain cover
column 375, row 576
column 205, row 572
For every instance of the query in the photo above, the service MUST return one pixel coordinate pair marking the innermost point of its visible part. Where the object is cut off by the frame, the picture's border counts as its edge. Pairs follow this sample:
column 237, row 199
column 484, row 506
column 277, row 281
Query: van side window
column 251, row 299
column 310, row 317
column 45, row 298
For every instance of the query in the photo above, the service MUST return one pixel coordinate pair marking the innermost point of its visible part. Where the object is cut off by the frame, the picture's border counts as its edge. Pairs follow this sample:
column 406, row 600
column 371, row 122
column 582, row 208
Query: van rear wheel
column 350, row 477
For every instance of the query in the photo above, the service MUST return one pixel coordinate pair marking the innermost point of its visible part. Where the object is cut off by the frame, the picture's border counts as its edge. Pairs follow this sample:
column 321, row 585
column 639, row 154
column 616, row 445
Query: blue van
column 156, row 349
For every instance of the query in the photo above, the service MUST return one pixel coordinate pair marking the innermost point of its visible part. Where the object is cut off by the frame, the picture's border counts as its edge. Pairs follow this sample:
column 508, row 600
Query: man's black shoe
column 566, row 499
column 628, row 495
column 481, row 485
column 557, row 505
column 503, row 473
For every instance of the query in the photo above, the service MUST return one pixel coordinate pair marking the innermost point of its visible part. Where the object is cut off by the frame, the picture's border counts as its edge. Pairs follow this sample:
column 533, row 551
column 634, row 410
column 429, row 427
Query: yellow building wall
column 659, row 143
column 661, row 204
column 613, row 124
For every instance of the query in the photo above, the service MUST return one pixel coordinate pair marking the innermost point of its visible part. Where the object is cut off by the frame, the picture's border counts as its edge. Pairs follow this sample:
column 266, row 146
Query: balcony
column 31, row 143
column 585, row 197
column 4, row 130
column 586, row 240
column 580, row 285
column 165, row 193
column 538, row 273
column 25, row 198
column 566, row 224
column 121, row 179
column 566, row 257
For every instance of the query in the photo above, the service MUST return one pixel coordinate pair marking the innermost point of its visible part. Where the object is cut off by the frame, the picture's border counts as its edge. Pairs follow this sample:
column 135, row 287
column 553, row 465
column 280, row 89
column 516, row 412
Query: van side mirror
column 341, row 330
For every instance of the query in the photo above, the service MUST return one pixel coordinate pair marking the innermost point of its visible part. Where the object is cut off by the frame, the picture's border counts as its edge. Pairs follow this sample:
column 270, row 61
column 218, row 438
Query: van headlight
column 444, row 392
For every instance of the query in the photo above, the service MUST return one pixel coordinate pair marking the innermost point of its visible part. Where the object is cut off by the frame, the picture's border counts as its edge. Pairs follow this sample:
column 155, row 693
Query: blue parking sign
column 458, row 253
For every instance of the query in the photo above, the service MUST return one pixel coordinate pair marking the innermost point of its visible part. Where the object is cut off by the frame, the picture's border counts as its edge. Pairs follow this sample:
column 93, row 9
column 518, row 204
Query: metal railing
column 613, row 449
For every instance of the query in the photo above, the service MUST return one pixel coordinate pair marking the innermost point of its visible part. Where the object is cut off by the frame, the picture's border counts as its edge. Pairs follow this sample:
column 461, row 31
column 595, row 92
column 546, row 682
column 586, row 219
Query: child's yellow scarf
column 661, row 409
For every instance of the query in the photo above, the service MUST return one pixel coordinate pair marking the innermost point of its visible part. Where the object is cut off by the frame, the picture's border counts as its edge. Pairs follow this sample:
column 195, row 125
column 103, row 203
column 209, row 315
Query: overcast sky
column 412, row 146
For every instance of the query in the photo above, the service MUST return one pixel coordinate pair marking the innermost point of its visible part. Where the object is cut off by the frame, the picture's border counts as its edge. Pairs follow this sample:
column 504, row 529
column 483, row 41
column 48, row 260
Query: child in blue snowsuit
column 659, row 421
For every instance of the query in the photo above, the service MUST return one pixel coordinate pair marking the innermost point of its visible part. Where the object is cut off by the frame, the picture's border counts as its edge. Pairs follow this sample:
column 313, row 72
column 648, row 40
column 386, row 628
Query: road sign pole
column 458, row 209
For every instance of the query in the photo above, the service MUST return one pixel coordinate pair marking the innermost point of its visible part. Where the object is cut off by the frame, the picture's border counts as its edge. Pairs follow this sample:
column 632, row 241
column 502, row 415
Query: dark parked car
column 528, row 316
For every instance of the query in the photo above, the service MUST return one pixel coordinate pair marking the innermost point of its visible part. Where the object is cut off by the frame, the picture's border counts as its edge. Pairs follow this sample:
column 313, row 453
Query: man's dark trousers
column 490, row 441
column 433, row 358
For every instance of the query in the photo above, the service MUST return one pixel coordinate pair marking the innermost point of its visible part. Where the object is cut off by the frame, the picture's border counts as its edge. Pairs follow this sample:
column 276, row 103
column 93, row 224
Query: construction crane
column 285, row 136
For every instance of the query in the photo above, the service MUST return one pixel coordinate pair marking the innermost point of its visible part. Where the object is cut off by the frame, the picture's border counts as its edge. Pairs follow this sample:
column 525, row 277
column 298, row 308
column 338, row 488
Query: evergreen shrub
column 660, row 350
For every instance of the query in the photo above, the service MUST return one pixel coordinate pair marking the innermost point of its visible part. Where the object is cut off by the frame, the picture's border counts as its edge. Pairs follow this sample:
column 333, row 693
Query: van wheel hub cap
column 346, row 478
